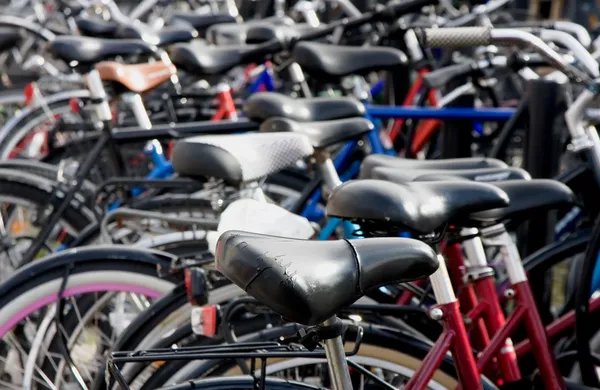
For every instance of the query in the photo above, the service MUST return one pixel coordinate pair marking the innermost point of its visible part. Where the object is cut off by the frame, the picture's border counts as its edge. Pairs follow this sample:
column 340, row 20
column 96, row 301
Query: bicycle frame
column 484, row 306
column 343, row 158
column 426, row 129
column 264, row 81
column 479, row 300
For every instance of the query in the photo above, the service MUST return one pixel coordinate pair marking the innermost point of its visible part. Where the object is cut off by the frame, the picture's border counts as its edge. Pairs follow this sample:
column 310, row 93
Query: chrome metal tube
column 136, row 104
column 336, row 357
column 582, row 34
column 474, row 248
column 329, row 174
column 440, row 282
column 98, row 95
column 514, row 36
column 571, row 43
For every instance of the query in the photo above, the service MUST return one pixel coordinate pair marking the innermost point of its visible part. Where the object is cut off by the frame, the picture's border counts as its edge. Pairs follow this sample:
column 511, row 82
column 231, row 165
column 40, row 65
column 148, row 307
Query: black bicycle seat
column 381, row 160
column 309, row 281
column 415, row 174
column 199, row 59
column 238, row 158
column 264, row 105
column 326, row 61
column 88, row 50
column 419, row 207
column 201, row 22
column 527, row 199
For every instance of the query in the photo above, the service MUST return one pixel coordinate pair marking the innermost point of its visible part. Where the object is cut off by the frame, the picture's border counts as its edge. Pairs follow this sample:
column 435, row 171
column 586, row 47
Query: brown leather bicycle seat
column 138, row 78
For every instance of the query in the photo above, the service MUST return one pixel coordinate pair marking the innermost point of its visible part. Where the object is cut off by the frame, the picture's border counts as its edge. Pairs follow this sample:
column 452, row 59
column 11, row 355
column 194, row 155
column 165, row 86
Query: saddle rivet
column 436, row 314
column 509, row 293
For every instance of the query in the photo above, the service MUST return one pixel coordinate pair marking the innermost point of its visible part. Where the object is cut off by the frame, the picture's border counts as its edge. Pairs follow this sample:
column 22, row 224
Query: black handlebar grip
column 440, row 77
column 458, row 37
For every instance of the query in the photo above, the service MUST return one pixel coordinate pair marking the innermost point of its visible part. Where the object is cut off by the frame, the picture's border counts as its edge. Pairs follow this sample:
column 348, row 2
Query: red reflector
column 209, row 313
column 188, row 281
column 74, row 104
column 29, row 92
column 204, row 320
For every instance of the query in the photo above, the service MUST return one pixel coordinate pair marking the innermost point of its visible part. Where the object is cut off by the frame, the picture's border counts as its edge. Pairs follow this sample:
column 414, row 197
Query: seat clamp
column 311, row 337
column 475, row 273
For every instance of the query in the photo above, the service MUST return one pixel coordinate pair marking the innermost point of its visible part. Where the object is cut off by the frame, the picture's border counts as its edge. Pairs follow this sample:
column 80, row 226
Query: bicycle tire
column 18, row 187
column 16, row 128
column 44, row 170
column 583, row 333
column 144, row 329
column 91, row 270
column 87, row 265
column 37, row 190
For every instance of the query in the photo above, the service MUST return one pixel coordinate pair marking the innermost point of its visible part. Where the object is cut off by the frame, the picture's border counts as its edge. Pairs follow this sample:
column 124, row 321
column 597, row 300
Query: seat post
column 331, row 179
column 336, row 358
column 136, row 104
column 98, row 96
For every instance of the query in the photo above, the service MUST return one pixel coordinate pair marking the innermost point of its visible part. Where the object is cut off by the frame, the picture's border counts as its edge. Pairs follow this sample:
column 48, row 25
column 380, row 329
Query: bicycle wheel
column 31, row 119
column 164, row 317
column 93, row 275
column 22, row 195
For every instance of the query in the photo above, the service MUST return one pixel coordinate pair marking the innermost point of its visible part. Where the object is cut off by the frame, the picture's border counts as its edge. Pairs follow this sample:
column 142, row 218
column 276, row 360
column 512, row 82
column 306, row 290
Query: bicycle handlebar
column 456, row 37
column 571, row 43
column 489, row 7
column 440, row 77
column 462, row 37
column 34, row 28
column 580, row 32
column 389, row 13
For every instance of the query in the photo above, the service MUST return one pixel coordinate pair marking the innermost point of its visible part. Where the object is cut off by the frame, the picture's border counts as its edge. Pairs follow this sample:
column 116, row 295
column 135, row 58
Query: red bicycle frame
column 226, row 110
column 454, row 337
column 425, row 129
column 226, row 105
column 483, row 310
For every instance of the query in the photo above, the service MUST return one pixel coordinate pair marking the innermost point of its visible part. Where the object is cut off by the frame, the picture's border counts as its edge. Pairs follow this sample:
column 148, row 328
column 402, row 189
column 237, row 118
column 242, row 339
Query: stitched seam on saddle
column 355, row 254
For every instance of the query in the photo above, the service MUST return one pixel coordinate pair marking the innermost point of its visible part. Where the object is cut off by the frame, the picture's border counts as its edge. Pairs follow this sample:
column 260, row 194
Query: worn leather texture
column 309, row 281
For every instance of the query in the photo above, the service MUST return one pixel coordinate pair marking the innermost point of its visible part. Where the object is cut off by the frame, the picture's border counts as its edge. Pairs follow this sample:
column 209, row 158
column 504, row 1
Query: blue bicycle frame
column 375, row 113
column 265, row 81
column 162, row 166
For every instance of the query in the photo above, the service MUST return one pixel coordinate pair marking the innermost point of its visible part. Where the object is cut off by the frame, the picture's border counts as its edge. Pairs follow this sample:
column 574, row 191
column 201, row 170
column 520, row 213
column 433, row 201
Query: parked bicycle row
column 310, row 195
